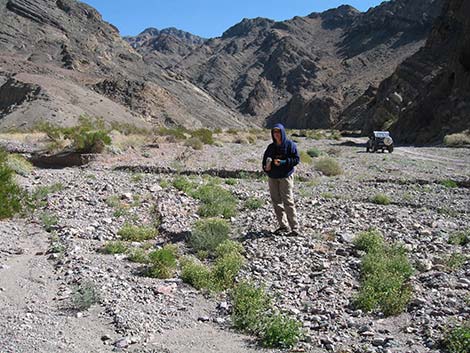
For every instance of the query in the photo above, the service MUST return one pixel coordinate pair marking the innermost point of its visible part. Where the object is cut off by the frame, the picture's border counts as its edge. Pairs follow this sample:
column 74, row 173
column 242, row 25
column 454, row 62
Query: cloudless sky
column 207, row 18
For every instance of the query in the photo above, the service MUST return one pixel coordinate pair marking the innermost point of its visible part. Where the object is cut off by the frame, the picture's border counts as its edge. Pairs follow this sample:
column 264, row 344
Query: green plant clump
column 10, row 192
column 305, row 157
column 114, row 247
column 381, row 199
column 253, row 203
column 84, row 296
column 139, row 256
column 207, row 234
column 314, row 152
column 195, row 143
column 19, row 164
column 455, row 261
column 216, row 201
column 385, row 270
column 449, row 183
column 280, row 331
column 328, row 166
column 182, row 183
column 162, row 262
column 204, row 135
column 137, row 233
column 196, row 274
column 460, row 238
column 457, row 340
column 250, row 305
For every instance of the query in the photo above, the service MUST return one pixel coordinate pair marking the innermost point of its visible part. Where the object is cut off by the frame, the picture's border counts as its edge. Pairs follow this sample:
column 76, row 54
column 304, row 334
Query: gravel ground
column 314, row 277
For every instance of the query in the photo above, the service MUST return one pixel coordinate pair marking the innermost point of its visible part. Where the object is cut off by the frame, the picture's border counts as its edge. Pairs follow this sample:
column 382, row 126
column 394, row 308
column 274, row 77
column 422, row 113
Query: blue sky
column 207, row 18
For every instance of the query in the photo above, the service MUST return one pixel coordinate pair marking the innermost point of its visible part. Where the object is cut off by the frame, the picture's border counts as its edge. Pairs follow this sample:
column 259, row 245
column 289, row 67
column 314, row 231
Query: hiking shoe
column 294, row 233
column 281, row 231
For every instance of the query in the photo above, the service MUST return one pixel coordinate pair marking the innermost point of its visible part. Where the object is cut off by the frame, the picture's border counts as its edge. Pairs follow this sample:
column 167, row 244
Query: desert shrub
column 228, row 247
column 204, row 135
column 455, row 261
column 381, row 199
column 457, row 340
column 250, row 304
column 179, row 133
column 131, row 232
column 280, row 331
column 328, row 166
column 369, row 241
column 84, row 296
column 448, row 183
column 226, row 268
column 19, row 164
column 385, row 270
column 162, row 262
column 49, row 221
column 138, row 255
column 305, row 158
column 207, row 234
column 334, row 151
column 38, row 198
column 459, row 139
column 182, row 183
column 195, row 143
column 114, row 247
column 216, row 201
column 335, row 135
column 196, row 274
column 314, row 152
column 231, row 181
column 10, row 192
column 253, row 203
column 460, row 238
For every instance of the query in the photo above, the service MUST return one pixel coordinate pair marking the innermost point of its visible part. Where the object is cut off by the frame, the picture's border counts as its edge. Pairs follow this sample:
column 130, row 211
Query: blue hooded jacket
column 286, row 152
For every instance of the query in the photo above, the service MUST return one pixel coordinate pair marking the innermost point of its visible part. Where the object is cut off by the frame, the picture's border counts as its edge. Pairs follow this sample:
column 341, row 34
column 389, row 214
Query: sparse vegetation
column 114, row 247
column 203, row 135
column 460, row 238
column 10, row 192
column 381, row 199
column 216, row 201
column 280, row 331
column 250, row 305
column 328, row 166
column 49, row 221
column 305, row 158
column 131, row 232
column 314, row 152
column 207, row 234
column 253, row 203
column 182, row 183
column 448, row 183
column 19, row 164
column 162, row 262
column 455, row 261
column 385, row 270
column 226, row 268
column 196, row 274
column 195, row 143
column 84, row 296
column 138, row 255
column 457, row 340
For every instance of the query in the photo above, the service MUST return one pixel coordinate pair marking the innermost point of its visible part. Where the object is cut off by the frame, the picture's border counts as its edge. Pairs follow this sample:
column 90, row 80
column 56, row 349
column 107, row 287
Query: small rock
column 203, row 318
column 122, row 343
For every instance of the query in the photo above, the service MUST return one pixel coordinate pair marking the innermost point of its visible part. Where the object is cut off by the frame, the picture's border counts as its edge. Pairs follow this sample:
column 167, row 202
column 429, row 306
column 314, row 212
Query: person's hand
column 267, row 167
column 277, row 162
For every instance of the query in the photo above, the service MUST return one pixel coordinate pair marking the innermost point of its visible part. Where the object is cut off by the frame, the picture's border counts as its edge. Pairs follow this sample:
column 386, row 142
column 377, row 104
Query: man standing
column 279, row 161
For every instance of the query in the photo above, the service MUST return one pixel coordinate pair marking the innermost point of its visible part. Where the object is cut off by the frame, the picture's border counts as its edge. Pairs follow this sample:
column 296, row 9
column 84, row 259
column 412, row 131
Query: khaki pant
column 282, row 196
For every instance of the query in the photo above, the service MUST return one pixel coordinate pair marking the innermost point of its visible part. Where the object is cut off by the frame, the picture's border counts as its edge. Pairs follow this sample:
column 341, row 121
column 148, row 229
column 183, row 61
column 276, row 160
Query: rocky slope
column 59, row 59
column 304, row 71
column 428, row 95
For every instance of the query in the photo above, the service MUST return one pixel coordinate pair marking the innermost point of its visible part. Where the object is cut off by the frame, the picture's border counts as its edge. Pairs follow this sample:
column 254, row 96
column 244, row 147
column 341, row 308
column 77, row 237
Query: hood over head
column 283, row 133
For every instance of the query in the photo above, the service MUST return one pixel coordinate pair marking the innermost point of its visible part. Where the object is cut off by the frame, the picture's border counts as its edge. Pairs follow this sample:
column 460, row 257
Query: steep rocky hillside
column 163, row 47
column 305, row 71
column 428, row 96
column 59, row 59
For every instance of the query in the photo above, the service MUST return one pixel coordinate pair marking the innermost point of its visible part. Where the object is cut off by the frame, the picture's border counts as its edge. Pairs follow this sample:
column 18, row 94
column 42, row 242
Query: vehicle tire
column 390, row 149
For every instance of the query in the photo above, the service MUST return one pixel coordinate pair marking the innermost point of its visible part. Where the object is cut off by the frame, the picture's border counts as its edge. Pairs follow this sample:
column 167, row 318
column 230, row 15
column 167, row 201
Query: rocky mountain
column 163, row 47
column 59, row 59
column 304, row 71
column 428, row 96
